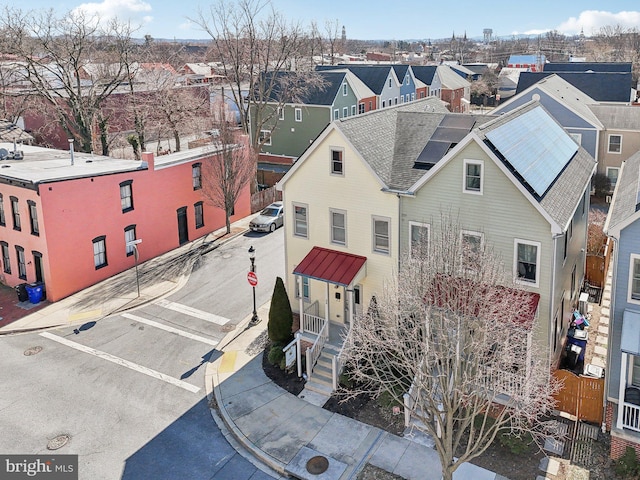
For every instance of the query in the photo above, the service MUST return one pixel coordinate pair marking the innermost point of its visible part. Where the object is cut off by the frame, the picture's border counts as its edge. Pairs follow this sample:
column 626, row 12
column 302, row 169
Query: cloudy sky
column 373, row 19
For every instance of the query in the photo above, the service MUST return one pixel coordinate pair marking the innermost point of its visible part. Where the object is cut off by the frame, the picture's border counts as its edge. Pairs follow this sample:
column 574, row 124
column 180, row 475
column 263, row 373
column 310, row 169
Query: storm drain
column 58, row 442
column 32, row 351
column 317, row 465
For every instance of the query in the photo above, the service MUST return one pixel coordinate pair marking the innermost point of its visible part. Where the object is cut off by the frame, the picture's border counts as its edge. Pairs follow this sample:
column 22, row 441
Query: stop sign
column 252, row 278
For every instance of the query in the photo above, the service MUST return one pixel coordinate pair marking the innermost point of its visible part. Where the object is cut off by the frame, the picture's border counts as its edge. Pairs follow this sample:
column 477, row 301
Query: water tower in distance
column 487, row 32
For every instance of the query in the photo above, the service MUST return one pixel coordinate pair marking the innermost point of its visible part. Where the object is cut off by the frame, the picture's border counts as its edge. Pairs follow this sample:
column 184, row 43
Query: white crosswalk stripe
column 167, row 328
column 192, row 312
column 121, row 361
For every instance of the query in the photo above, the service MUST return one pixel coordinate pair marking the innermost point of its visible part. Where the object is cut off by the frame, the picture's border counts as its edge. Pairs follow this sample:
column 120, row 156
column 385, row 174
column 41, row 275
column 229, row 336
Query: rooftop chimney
column 71, row 149
column 149, row 159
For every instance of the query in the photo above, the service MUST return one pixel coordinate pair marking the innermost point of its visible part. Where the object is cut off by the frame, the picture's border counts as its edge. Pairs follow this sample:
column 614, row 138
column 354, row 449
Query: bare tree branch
column 456, row 335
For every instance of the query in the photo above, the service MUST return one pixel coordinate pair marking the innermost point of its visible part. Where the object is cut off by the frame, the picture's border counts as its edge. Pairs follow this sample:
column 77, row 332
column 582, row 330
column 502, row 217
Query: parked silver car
column 269, row 219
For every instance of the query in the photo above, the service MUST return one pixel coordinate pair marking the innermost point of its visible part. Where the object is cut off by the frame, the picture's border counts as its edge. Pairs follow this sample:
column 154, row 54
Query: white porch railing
column 501, row 382
column 314, row 352
column 337, row 362
column 312, row 323
column 631, row 416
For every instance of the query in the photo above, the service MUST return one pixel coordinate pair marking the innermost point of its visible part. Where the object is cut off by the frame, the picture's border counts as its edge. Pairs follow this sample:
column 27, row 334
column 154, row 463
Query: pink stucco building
column 65, row 219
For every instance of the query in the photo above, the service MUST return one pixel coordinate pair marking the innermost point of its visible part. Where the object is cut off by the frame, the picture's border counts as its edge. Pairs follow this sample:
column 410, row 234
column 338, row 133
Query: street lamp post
column 252, row 257
column 134, row 244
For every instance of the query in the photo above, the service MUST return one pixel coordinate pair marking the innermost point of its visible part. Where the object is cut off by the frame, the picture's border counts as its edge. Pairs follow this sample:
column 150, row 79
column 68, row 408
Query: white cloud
column 135, row 11
column 591, row 21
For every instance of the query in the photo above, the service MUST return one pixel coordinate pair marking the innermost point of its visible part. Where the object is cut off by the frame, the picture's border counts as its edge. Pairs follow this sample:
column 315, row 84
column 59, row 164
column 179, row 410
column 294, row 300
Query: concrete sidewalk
column 284, row 431
column 158, row 277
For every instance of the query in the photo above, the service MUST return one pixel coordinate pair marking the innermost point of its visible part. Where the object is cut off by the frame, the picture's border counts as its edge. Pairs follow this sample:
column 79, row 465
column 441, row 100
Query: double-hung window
column 337, row 167
column 265, row 137
column 100, row 252
column 472, row 244
column 126, row 196
column 612, row 175
column 298, row 114
column 15, row 213
column 305, row 288
column 473, row 181
column 33, row 217
column 196, row 176
column 199, row 214
column 615, row 144
column 22, row 264
column 6, row 261
column 300, row 220
column 338, row 226
column 634, row 278
column 418, row 238
column 129, row 237
column 381, row 231
column 527, row 261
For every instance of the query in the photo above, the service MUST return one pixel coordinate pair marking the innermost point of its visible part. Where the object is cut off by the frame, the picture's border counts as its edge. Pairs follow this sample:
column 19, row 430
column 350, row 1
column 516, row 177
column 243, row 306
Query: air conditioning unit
column 608, row 198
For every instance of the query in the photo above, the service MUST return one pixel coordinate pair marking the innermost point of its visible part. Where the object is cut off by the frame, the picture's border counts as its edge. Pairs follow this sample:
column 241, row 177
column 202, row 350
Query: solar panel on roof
column 451, row 135
column 535, row 146
column 432, row 153
column 458, row 121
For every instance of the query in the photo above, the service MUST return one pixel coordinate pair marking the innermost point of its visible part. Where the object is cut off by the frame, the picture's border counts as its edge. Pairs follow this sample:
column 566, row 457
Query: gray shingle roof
column 391, row 139
column 626, row 194
column 623, row 117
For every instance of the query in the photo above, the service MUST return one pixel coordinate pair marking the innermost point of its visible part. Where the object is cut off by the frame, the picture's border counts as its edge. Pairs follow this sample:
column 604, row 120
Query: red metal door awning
column 330, row 266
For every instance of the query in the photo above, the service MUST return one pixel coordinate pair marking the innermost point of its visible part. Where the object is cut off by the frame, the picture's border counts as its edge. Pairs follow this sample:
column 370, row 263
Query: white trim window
column 577, row 137
column 300, row 220
column 419, row 238
column 305, row 288
column 336, row 114
column 345, row 112
column 353, row 110
column 381, row 233
column 634, row 279
column 472, row 244
column 614, row 143
column 612, row 175
column 298, row 114
column 280, row 113
column 265, row 136
column 337, row 163
column 473, row 180
column 338, row 221
column 526, row 261
column 345, row 90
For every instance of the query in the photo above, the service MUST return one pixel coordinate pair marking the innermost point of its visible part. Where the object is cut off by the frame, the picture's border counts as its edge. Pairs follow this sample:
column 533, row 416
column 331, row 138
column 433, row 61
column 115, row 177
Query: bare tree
column 333, row 37
column 457, row 336
column 256, row 44
column 226, row 174
column 73, row 62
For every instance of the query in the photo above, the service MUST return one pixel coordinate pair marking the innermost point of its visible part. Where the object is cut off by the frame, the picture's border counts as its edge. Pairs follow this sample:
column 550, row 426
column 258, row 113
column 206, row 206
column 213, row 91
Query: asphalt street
column 128, row 391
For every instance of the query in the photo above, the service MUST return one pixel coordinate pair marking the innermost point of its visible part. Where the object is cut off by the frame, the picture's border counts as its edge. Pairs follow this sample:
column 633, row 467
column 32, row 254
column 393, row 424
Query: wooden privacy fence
column 261, row 199
column 582, row 397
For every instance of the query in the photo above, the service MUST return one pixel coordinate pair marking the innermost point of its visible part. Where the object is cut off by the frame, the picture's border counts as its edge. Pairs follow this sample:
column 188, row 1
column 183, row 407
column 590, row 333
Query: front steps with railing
column 321, row 380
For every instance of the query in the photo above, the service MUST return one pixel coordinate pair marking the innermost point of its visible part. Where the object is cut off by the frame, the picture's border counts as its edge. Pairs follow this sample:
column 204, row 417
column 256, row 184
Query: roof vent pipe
column 71, row 149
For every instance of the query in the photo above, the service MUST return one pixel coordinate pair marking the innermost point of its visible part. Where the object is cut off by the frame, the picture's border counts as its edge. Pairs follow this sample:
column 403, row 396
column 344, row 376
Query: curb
column 219, row 413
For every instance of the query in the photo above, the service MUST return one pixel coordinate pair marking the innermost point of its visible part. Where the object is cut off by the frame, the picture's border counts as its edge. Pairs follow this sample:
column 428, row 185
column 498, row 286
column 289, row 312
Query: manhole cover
column 227, row 327
column 58, row 442
column 32, row 351
column 317, row 465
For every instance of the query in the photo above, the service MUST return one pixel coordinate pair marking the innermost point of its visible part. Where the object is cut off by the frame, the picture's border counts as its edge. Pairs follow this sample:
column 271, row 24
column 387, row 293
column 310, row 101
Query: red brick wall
column 619, row 445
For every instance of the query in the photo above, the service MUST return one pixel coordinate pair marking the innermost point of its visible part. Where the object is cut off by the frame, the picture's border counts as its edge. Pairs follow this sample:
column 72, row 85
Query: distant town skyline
column 374, row 20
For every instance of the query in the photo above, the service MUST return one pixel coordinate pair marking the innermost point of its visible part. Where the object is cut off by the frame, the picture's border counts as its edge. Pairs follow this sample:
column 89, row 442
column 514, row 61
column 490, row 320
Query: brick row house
column 66, row 218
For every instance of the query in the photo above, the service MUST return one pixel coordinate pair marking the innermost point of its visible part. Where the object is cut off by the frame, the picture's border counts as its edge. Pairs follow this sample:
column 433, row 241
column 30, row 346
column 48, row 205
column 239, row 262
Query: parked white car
column 269, row 219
